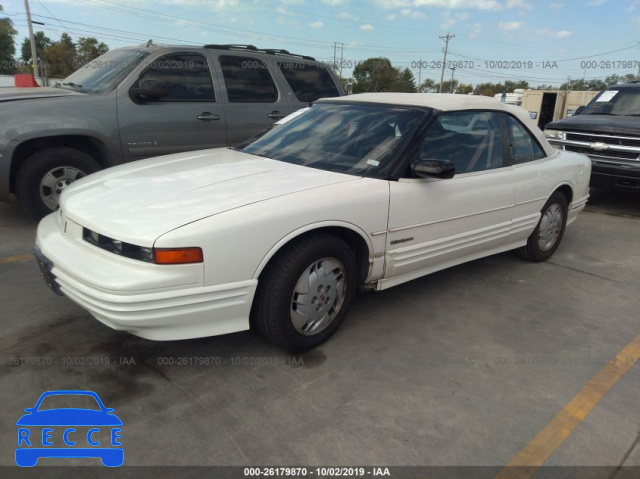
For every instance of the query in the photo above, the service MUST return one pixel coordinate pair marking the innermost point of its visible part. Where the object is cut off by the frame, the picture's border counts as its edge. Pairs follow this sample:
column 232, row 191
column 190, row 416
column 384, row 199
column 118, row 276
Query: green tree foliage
column 374, row 75
column 511, row 86
column 42, row 43
column 428, row 86
column 449, row 86
column 60, row 58
column 492, row 89
column 404, row 82
column 378, row 75
column 464, row 89
column 88, row 48
column 582, row 85
column 597, row 84
column 7, row 47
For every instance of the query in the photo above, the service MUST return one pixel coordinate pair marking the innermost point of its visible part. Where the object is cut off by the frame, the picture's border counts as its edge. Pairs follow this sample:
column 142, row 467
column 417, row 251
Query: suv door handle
column 276, row 115
column 207, row 116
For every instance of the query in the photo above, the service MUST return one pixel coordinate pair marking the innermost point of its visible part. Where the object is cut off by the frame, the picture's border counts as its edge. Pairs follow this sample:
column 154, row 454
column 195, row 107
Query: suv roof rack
column 253, row 48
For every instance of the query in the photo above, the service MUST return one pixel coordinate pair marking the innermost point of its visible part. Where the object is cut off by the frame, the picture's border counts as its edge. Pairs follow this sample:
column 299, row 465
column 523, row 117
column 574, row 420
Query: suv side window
column 247, row 80
column 471, row 140
column 185, row 75
column 524, row 147
column 308, row 82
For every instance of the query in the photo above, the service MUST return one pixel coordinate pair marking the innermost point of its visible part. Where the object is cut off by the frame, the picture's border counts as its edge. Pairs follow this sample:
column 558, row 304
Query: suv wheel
column 45, row 175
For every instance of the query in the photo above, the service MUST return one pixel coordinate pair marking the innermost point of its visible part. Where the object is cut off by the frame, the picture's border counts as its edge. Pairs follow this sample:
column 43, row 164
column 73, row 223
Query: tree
column 615, row 79
column 42, row 43
column 488, row 89
column 511, row 86
column 448, row 87
column 88, row 48
column 464, row 89
column 7, row 47
column 374, row 75
column 60, row 57
column 428, row 86
column 404, row 82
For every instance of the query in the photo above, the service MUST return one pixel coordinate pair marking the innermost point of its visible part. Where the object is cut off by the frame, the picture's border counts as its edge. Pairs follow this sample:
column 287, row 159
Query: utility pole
column 453, row 70
column 446, row 38
column 34, row 58
column 419, row 75
column 341, row 57
column 335, row 44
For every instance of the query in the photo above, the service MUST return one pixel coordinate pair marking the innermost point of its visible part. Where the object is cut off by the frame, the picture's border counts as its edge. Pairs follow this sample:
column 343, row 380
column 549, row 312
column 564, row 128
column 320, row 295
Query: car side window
column 185, row 76
column 247, row 80
column 524, row 147
column 471, row 140
column 309, row 82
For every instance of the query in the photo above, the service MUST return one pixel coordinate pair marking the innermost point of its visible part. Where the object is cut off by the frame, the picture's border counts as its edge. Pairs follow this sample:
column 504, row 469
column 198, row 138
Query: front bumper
column 612, row 177
column 137, row 297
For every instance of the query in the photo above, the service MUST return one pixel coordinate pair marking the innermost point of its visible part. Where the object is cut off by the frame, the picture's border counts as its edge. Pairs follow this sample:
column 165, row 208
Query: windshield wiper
column 73, row 85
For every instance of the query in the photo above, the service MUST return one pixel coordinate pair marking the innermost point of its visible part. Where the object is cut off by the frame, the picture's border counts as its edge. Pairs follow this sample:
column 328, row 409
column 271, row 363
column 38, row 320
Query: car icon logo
column 88, row 430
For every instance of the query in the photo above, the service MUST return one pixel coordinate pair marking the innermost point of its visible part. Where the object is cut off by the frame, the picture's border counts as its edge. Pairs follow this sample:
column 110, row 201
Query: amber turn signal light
column 177, row 256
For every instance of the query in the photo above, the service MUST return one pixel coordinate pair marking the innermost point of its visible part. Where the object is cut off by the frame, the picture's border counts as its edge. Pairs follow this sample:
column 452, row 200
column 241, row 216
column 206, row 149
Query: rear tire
column 46, row 173
column 545, row 239
column 305, row 292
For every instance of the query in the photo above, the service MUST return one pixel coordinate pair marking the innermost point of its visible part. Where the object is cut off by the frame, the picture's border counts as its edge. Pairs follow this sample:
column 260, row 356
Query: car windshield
column 104, row 73
column 353, row 139
column 66, row 401
column 619, row 102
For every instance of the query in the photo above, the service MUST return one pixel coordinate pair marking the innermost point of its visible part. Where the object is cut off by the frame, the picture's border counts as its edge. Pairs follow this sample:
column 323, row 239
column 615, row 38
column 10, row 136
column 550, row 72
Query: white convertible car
column 365, row 191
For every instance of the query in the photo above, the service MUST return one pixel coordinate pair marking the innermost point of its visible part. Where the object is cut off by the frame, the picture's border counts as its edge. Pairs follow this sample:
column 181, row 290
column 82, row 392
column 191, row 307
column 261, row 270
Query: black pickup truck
column 608, row 131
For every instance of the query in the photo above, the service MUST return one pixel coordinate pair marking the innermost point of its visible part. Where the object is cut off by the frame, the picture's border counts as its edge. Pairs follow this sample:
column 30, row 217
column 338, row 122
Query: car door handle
column 276, row 115
column 208, row 116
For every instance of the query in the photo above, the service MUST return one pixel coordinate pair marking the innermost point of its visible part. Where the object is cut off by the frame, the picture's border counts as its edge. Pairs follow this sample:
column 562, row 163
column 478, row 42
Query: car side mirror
column 141, row 95
column 579, row 110
column 429, row 167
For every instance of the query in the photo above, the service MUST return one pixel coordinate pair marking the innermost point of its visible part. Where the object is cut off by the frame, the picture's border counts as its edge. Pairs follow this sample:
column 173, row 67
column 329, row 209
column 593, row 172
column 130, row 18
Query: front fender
column 376, row 265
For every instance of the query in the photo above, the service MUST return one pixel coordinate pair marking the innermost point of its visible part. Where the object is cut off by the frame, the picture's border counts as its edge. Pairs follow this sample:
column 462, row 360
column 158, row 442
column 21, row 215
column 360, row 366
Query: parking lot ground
column 464, row 367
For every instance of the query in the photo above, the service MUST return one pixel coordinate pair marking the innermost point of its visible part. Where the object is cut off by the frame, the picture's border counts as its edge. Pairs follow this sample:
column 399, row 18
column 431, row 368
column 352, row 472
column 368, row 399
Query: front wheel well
column 86, row 144
column 354, row 240
column 567, row 192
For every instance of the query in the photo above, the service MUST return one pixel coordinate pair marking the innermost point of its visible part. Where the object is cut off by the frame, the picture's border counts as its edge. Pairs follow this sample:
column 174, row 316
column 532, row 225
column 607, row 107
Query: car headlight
column 141, row 253
column 555, row 134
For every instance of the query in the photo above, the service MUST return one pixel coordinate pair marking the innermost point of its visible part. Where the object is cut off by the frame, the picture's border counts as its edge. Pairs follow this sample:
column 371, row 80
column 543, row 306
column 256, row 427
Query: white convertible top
column 449, row 102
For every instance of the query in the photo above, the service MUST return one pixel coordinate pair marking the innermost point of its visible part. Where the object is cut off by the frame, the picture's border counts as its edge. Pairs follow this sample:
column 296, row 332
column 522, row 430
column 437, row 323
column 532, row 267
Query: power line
column 63, row 26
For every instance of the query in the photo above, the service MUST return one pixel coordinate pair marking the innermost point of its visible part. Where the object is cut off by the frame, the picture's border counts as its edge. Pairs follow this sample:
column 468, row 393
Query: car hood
column 69, row 417
column 604, row 124
column 14, row 94
column 140, row 201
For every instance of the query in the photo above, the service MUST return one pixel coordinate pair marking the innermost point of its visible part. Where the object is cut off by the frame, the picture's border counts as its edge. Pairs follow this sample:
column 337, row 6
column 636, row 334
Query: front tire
column 46, row 173
column 305, row 292
column 545, row 239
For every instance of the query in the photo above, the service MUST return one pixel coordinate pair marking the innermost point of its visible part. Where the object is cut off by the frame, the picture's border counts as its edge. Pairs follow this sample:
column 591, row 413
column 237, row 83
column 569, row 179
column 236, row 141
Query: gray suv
column 145, row 101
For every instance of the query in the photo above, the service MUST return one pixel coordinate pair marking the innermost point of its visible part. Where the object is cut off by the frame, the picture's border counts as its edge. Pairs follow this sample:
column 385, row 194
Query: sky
column 491, row 40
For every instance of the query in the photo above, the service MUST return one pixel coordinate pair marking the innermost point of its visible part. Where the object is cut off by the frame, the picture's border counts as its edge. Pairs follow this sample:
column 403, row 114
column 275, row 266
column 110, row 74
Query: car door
column 436, row 223
column 533, row 178
column 188, row 117
column 253, row 101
